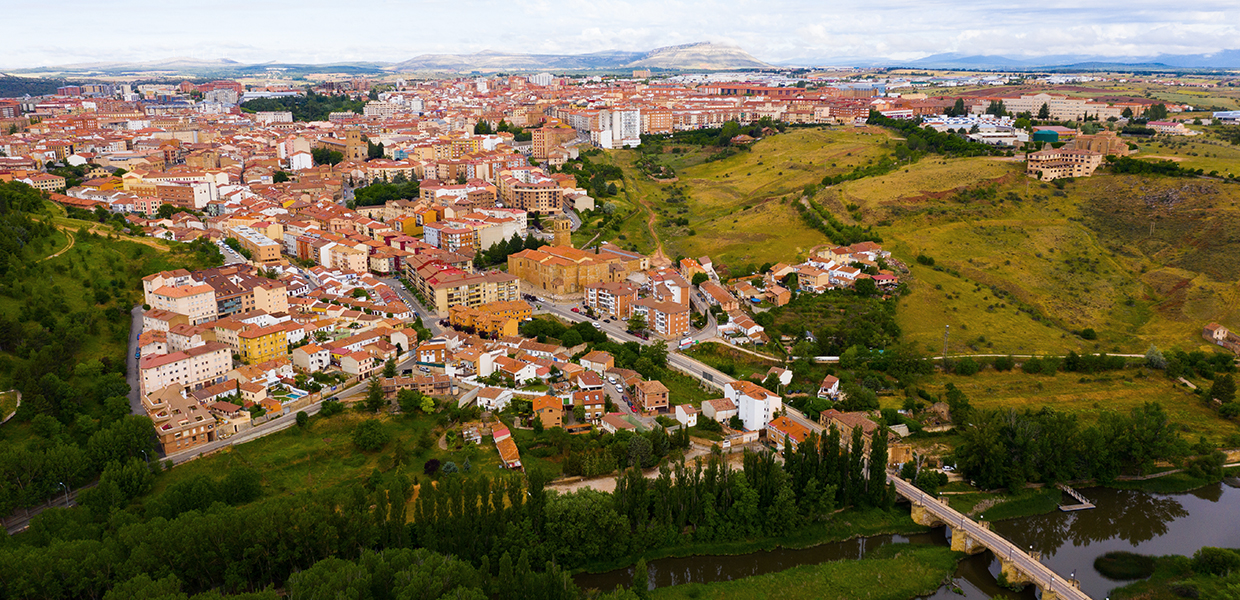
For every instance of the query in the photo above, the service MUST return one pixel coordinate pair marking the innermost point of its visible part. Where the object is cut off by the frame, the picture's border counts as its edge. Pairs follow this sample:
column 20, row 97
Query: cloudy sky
column 318, row 31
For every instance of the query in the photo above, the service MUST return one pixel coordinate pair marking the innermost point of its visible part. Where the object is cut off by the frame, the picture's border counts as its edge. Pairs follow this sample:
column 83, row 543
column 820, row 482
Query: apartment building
column 530, row 190
column 650, row 396
column 261, row 344
column 180, row 421
column 263, row 249
column 494, row 319
column 454, row 287
column 668, row 319
column 757, row 405
column 178, row 292
column 193, row 368
column 611, row 298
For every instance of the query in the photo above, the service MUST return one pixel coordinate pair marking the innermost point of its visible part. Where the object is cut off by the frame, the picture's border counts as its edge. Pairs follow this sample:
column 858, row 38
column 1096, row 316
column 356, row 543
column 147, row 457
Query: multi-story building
column 263, row 249
column 193, row 368
column 1057, row 163
column 612, row 298
column 180, row 422
column 650, row 396
column 178, row 292
column 494, row 319
column 455, row 287
column 668, row 319
column 261, row 344
column 530, row 190
column 757, row 405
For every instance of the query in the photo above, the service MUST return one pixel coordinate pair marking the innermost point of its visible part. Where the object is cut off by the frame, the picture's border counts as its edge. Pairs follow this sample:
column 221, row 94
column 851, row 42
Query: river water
column 1123, row 520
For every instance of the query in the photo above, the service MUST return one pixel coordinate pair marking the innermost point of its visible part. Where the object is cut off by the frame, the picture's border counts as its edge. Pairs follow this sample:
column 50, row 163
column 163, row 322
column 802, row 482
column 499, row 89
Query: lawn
column 322, row 456
column 1199, row 152
column 892, row 572
column 731, row 361
column 1086, row 396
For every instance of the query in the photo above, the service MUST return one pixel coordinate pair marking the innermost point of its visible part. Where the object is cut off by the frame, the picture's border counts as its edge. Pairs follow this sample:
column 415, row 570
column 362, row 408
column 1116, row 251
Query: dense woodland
column 511, row 538
column 63, row 333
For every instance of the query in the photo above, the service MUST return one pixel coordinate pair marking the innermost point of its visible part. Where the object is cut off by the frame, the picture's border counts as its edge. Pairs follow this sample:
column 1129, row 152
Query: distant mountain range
column 702, row 56
column 1225, row 59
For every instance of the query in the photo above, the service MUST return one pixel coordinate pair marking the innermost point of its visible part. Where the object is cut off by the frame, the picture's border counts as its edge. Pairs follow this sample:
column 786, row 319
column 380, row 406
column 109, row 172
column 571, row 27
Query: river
column 1123, row 520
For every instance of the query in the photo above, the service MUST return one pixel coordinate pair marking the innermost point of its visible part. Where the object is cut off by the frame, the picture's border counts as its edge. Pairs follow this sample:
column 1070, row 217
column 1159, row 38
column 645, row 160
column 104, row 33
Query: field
column 1197, row 152
column 8, row 404
column 1086, row 396
column 739, row 209
column 322, row 456
column 892, row 572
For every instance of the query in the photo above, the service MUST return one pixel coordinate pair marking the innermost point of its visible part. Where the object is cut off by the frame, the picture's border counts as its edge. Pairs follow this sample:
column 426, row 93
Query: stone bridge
column 1018, row 566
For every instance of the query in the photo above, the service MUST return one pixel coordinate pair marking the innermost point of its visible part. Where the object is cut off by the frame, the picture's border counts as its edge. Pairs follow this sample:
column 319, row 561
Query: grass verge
column 893, row 572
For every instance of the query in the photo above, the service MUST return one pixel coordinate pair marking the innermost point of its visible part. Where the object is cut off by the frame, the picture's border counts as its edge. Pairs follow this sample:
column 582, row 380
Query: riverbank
column 893, row 572
column 1174, row 578
column 843, row 526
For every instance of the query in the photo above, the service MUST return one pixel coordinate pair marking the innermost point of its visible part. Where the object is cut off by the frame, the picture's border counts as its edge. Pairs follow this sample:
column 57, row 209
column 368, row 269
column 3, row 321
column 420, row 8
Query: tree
column 1154, row 358
column 700, row 278
column 389, row 368
column 324, row 156
column 641, row 580
column 374, row 395
column 736, row 423
column 957, row 109
column 637, row 322
column 641, row 452
column 1224, row 389
column 865, row 287
column 1156, row 112
column 1044, row 112
column 302, row 419
column 373, row 150
column 279, row 177
column 409, row 400
column 370, row 435
column 1127, row 113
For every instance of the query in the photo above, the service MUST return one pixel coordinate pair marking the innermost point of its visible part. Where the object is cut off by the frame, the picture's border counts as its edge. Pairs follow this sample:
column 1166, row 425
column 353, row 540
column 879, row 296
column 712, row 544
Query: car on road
column 137, row 353
column 576, row 310
column 948, row 468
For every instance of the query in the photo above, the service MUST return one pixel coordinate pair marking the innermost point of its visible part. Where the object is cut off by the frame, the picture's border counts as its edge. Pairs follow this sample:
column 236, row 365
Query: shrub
column 966, row 366
column 1004, row 363
column 1216, row 561
column 302, row 418
column 331, row 408
column 370, row 435
column 431, row 466
column 1123, row 566
column 1089, row 334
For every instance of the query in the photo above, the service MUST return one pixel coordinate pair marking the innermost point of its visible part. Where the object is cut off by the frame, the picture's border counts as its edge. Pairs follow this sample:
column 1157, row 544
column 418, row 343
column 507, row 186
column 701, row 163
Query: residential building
column 598, row 361
column 261, row 344
column 193, row 368
column 830, row 387
column 668, row 319
column 549, row 410
column 180, row 421
column 650, row 397
column 311, row 358
column 1051, row 164
column 719, row 409
column 756, row 405
column 782, row 431
column 611, row 298
column 494, row 399
column 563, row 270
column 593, row 402
column 687, row 415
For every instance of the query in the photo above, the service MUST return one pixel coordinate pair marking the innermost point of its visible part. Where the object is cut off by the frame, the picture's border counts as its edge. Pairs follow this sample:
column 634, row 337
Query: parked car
column 576, row 310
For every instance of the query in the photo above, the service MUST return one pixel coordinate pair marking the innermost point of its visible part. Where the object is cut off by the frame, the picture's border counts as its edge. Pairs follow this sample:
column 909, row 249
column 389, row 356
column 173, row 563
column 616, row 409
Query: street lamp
column 148, row 459
column 66, row 493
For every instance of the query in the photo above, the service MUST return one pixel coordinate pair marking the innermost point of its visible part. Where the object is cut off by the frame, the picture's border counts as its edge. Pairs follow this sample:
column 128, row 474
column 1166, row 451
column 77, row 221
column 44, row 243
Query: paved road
column 231, row 257
column 429, row 320
column 278, row 424
column 131, row 361
column 1042, row 575
column 616, row 330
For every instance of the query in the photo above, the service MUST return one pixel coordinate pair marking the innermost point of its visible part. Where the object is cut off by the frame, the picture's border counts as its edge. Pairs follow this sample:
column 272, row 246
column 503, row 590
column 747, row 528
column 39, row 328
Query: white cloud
column 772, row 30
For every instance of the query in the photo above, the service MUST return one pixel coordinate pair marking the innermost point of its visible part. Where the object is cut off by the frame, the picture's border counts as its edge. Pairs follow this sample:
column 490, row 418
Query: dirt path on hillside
column 1170, row 158
column 72, row 241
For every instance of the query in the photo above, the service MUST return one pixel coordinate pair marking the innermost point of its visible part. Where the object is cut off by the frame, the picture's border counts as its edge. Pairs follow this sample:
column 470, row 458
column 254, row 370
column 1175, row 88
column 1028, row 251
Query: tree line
column 310, row 107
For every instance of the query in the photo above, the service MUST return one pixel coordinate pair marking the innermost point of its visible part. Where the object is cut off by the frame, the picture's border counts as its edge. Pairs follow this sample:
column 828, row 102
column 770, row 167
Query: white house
column 299, row 161
column 494, row 399
column 757, row 405
column 686, row 414
column 784, row 375
column 311, row 358
column 830, row 387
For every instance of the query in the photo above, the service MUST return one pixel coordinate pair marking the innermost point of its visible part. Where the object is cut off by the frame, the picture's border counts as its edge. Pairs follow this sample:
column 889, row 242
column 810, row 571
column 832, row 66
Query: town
column 480, row 315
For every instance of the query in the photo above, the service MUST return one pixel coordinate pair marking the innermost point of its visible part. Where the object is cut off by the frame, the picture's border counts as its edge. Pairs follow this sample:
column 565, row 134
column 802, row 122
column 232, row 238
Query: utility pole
column 946, row 329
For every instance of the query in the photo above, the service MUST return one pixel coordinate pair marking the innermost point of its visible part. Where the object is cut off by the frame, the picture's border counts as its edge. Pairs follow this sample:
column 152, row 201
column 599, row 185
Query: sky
column 776, row 31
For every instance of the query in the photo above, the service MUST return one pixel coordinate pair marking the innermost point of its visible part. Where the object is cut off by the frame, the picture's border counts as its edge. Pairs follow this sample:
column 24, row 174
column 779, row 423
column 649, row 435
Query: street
column 617, row 331
column 429, row 320
column 131, row 361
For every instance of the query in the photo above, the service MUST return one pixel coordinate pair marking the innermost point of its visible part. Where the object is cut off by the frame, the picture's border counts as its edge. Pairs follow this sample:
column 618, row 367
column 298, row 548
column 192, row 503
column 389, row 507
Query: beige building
column 263, row 250
column 450, row 289
column 178, row 292
column 193, row 368
column 563, row 270
column 1051, row 164
column 180, row 422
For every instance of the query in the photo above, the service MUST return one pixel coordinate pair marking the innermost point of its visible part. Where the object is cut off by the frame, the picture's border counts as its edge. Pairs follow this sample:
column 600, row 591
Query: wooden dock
column 1082, row 502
